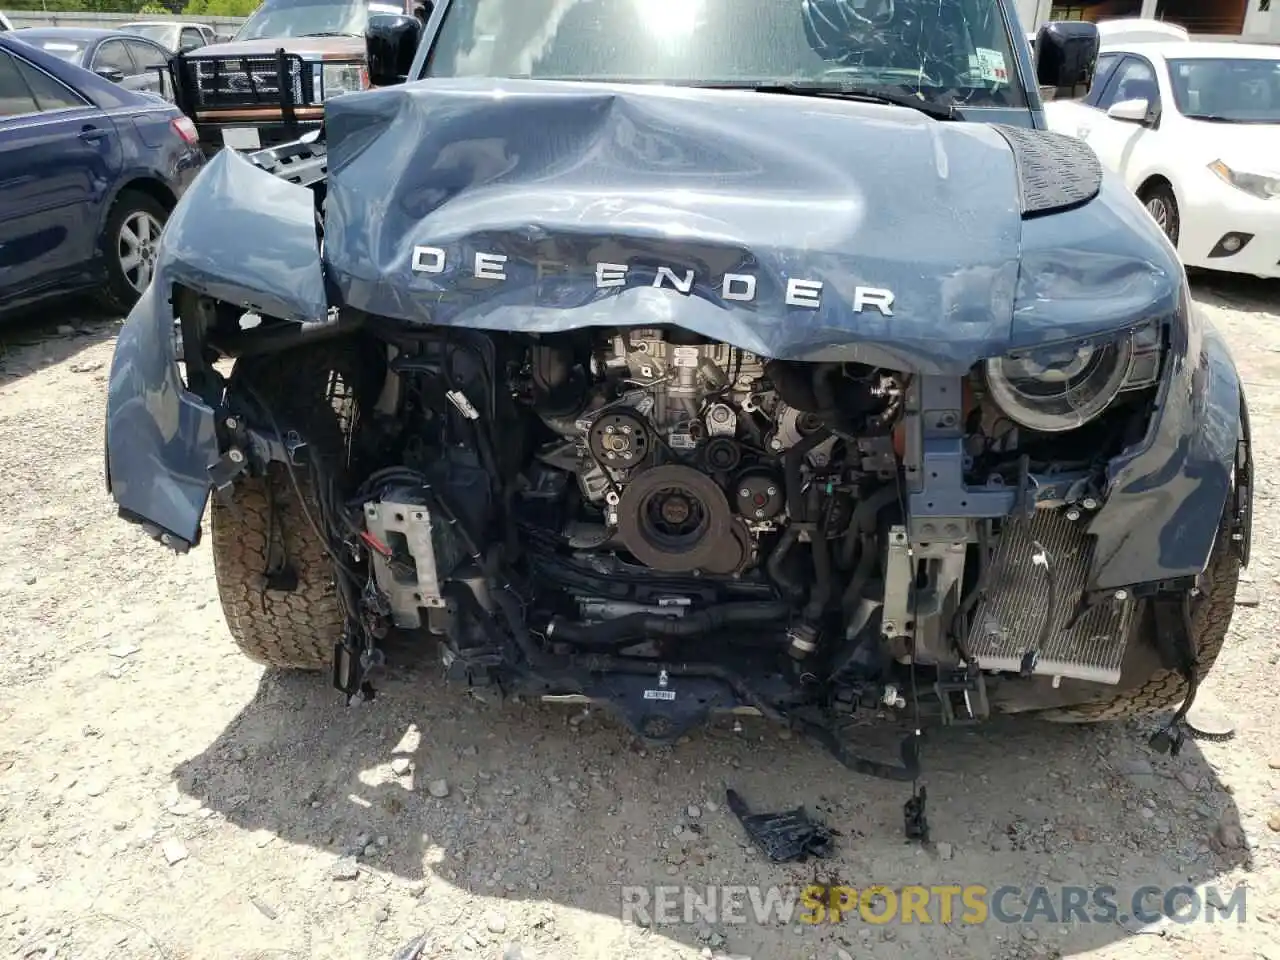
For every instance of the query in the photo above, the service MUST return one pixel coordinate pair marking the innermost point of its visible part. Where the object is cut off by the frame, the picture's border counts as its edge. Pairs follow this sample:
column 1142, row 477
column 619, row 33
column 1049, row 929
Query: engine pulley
column 758, row 495
column 722, row 454
column 674, row 519
column 620, row 440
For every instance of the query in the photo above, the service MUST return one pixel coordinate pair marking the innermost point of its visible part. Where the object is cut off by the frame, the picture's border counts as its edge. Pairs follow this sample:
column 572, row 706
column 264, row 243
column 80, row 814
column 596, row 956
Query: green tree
column 80, row 6
column 221, row 8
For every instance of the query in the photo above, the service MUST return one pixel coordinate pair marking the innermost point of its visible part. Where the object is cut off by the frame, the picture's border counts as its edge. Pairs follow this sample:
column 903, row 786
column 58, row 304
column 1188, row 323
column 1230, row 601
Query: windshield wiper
column 939, row 111
column 328, row 34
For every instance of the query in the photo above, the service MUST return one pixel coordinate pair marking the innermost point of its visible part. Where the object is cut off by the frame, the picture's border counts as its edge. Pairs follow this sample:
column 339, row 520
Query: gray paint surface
column 569, row 175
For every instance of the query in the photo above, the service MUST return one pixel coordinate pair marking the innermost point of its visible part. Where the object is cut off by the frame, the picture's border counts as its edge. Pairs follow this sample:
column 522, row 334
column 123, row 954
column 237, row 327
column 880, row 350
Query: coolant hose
column 636, row 627
column 773, row 566
column 821, row 593
column 861, row 574
column 792, row 461
column 863, row 520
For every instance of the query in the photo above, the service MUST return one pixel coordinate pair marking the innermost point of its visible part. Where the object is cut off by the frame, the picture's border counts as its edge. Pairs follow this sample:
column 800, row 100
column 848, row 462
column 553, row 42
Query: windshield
column 161, row 33
column 306, row 18
column 950, row 50
column 1227, row 90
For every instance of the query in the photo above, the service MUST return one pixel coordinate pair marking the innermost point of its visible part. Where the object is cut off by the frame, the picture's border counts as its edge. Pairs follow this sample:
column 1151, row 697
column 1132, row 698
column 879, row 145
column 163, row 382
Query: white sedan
column 1194, row 128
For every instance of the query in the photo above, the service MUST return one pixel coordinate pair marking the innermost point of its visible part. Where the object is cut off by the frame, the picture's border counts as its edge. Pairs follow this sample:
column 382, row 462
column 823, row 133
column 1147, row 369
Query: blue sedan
column 88, row 174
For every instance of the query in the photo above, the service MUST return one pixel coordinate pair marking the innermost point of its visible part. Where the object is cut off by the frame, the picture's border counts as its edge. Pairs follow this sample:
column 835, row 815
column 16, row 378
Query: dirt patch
column 162, row 797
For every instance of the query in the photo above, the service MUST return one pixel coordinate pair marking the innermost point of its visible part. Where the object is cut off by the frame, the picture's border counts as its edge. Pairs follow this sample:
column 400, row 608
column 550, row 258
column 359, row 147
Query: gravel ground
column 162, row 797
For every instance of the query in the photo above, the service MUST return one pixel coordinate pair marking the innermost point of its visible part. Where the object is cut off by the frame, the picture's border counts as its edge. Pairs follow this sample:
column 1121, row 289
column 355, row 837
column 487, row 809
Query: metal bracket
column 898, row 584
column 936, row 458
column 407, row 589
column 963, row 697
column 266, row 447
column 227, row 469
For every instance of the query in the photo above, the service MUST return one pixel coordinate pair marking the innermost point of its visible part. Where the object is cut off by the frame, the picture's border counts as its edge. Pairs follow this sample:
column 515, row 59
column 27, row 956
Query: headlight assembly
column 338, row 78
column 1265, row 188
column 1061, row 387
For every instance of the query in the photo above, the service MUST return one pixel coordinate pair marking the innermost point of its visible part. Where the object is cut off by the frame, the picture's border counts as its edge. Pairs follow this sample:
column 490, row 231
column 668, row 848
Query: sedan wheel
column 130, row 245
column 1160, row 203
column 1157, row 209
column 136, row 248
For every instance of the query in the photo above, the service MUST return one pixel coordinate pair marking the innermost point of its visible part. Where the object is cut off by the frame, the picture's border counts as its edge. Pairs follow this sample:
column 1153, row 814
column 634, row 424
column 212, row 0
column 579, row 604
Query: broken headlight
column 1062, row 386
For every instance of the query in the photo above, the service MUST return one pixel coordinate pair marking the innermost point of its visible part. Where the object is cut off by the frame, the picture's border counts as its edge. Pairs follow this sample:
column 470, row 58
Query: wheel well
column 1156, row 181
column 152, row 188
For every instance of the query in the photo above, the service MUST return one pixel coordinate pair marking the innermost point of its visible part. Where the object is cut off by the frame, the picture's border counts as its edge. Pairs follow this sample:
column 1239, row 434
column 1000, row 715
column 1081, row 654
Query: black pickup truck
column 268, row 85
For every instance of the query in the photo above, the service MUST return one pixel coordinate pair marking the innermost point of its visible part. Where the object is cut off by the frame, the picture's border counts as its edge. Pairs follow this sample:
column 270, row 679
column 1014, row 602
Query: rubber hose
column 773, row 566
column 862, row 573
column 821, row 593
column 794, row 457
column 633, row 628
column 863, row 520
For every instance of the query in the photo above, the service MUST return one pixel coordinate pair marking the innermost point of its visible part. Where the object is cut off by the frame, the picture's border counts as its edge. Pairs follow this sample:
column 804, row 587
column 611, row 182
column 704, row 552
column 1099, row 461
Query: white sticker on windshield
column 990, row 64
column 68, row 47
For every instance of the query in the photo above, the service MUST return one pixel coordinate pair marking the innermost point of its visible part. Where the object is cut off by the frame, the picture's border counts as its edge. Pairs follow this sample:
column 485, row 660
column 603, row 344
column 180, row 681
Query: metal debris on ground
column 783, row 837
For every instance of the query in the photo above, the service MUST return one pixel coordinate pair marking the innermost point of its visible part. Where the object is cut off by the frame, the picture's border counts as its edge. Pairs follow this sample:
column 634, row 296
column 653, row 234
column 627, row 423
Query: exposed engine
column 687, row 452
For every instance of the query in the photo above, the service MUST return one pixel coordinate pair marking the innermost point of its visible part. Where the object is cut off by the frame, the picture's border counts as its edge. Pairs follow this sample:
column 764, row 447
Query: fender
column 1166, row 499
column 242, row 236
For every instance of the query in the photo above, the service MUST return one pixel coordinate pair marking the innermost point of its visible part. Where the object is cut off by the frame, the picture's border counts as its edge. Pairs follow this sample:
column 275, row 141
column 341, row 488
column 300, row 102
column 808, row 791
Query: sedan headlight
column 339, row 78
column 1057, row 388
column 1265, row 188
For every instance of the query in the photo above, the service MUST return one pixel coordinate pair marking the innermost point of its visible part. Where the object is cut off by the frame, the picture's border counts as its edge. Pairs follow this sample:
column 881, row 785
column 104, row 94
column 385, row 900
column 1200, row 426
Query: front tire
column 265, row 522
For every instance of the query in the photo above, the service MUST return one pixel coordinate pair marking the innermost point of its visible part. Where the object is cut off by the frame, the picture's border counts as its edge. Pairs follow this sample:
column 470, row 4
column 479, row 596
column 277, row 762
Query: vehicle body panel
column 62, row 170
column 711, row 181
column 55, row 173
column 151, row 418
column 559, row 177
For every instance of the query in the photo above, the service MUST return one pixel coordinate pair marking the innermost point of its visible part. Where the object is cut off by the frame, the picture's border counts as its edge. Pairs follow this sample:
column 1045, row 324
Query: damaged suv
column 724, row 355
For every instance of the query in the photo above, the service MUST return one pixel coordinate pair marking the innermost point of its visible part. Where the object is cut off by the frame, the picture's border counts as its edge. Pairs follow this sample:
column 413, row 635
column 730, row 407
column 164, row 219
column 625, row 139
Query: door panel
column 1115, row 141
column 56, row 168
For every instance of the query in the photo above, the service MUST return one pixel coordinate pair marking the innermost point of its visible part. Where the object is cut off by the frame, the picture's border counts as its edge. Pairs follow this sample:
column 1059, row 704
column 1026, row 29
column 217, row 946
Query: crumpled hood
column 572, row 182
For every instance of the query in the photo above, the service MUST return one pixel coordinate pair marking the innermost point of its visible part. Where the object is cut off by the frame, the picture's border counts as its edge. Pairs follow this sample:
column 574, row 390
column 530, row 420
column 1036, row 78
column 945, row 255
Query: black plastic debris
column 913, row 814
column 784, row 837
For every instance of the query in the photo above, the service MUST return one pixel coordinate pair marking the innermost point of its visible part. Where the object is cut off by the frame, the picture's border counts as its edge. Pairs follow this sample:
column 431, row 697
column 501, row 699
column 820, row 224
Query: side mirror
column 1066, row 54
column 390, row 43
column 1137, row 110
column 110, row 73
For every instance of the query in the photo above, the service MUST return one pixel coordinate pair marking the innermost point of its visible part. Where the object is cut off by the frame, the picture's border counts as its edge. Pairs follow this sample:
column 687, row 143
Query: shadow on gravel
column 1234, row 291
column 546, row 807
column 46, row 335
